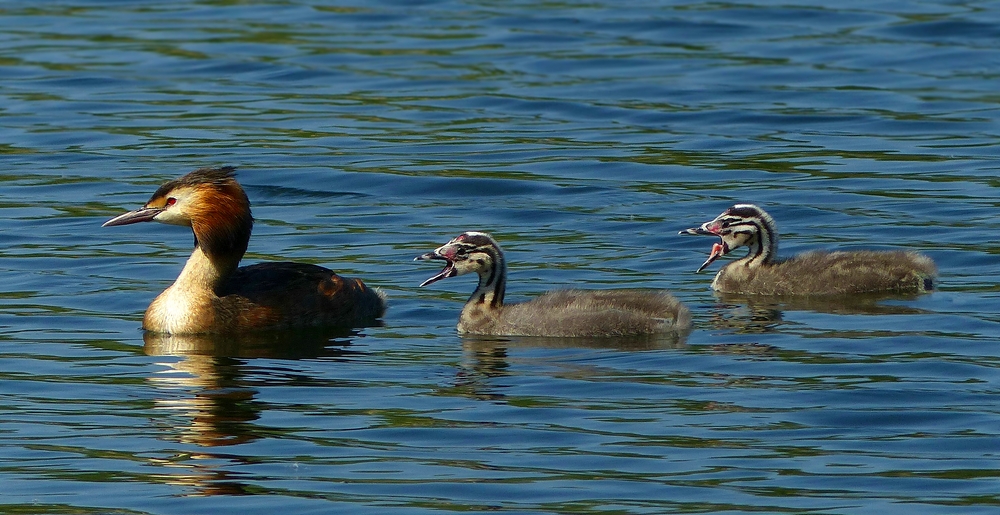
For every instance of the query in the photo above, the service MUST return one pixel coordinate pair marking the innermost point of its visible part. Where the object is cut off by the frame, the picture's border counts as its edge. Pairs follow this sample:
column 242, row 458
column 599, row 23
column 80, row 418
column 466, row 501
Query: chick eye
column 171, row 201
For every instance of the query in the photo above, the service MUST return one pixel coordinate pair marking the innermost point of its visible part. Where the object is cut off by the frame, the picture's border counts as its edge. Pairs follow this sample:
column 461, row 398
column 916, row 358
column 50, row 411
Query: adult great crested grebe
column 213, row 295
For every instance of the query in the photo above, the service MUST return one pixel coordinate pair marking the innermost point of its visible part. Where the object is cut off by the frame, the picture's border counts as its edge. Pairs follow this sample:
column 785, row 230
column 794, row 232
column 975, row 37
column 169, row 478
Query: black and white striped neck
column 757, row 231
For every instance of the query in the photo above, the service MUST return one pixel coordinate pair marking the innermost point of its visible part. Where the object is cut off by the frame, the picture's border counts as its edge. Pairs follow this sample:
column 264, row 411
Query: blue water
column 583, row 136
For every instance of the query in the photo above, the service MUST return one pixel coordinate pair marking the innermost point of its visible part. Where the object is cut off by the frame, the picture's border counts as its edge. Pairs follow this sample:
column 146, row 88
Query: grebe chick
column 811, row 273
column 558, row 313
column 212, row 295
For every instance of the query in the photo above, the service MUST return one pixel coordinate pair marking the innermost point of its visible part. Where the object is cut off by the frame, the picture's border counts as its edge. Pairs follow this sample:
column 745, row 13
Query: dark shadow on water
column 485, row 358
column 762, row 314
column 669, row 340
column 867, row 304
column 299, row 344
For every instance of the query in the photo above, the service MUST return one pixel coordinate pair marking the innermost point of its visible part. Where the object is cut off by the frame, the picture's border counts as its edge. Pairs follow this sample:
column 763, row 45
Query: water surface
column 583, row 136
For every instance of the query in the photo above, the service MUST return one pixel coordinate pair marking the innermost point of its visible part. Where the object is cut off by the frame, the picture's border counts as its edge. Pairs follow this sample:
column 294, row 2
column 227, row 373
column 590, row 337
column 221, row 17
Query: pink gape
column 718, row 250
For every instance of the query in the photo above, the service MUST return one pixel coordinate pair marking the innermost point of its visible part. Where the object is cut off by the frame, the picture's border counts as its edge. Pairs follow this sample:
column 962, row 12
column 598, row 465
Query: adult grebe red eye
column 171, row 201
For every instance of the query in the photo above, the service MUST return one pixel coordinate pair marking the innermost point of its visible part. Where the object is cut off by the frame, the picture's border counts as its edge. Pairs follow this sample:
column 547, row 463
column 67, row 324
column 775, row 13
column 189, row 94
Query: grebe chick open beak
column 449, row 269
column 718, row 250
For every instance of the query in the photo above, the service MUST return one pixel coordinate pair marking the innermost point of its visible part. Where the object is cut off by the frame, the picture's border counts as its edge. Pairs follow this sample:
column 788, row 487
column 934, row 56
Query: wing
column 833, row 273
column 287, row 294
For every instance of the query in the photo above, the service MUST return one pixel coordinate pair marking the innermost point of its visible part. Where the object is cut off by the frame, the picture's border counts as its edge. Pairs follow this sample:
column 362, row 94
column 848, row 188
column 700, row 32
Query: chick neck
column 762, row 245
column 492, row 281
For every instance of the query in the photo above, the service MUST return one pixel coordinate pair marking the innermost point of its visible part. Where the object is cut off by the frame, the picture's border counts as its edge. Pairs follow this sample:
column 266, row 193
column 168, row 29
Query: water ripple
column 584, row 136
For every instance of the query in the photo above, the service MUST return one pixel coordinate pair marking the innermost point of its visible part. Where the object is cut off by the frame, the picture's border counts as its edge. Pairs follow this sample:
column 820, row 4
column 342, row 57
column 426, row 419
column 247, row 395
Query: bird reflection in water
column 486, row 358
column 211, row 401
column 765, row 313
